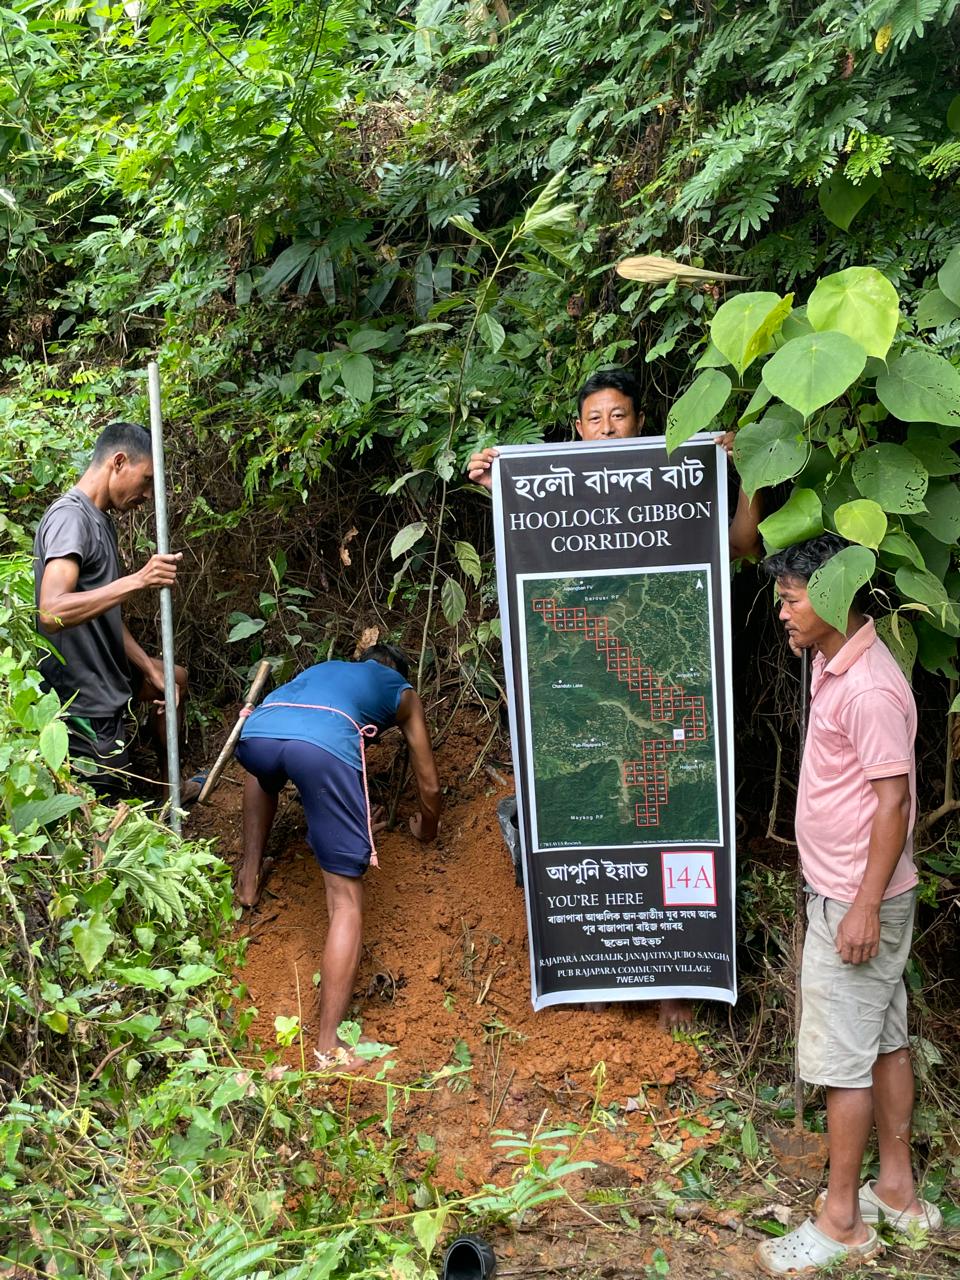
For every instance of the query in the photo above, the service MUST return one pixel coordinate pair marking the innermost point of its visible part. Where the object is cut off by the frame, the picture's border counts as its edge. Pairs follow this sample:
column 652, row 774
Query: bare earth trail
column 445, row 978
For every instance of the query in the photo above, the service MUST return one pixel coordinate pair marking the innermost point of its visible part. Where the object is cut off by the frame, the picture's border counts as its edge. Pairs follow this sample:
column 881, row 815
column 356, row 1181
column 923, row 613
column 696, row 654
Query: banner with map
column 613, row 577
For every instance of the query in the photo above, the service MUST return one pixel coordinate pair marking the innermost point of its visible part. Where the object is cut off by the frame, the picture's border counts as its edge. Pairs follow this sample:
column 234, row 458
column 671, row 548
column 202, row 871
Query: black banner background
column 613, row 577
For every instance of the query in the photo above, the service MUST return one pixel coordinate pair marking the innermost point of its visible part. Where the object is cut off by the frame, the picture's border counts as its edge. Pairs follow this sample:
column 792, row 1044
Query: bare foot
column 340, row 1058
column 676, row 1015
column 249, row 887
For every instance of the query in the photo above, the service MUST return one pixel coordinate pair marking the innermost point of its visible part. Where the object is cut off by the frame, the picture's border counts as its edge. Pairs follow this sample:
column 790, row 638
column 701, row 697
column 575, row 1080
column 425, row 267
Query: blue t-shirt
column 367, row 691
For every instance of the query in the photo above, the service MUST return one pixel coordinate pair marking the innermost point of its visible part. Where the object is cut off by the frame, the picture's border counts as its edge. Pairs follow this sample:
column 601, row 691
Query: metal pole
column 800, row 915
column 166, row 597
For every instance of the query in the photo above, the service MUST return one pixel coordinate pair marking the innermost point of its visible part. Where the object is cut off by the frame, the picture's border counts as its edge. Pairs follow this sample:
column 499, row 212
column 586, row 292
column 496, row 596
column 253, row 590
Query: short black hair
column 122, row 437
column 615, row 379
column 803, row 559
column 390, row 655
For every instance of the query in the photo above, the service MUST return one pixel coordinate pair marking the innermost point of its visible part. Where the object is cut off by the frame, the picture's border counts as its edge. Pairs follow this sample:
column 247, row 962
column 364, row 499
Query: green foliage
column 859, row 302
column 921, row 386
column 697, row 407
column 834, row 585
column 813, row 369
column 743, row 327
column 800, row 518
column 361, row 248
column 770, row 451
column 837, row 434
column 135, row 1140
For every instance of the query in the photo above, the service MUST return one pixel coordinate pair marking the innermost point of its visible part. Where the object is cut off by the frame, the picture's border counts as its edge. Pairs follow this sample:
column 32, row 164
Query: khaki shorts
column 852, row 1012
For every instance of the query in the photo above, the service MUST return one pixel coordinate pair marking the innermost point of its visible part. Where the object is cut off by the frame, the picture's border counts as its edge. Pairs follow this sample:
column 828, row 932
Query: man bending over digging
column 856, row 806
column 310, row 732
column 609, row 408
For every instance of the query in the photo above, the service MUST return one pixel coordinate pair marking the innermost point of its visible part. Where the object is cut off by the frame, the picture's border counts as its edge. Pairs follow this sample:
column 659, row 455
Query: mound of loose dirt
column 445, row 978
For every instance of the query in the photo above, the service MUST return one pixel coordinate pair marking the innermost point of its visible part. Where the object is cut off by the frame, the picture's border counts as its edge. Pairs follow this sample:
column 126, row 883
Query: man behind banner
column 609, row 408
column 856, row 806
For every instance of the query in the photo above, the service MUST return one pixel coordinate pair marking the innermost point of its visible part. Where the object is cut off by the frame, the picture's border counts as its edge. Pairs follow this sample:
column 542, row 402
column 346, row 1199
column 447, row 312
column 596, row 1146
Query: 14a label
column 689, row 879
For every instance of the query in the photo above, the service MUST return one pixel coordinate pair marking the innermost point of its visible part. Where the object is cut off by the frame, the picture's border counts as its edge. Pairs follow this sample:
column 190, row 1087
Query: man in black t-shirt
column 79, row 589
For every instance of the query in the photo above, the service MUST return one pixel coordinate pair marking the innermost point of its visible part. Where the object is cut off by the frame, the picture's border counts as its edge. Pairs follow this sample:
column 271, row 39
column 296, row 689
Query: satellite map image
column 620, row 685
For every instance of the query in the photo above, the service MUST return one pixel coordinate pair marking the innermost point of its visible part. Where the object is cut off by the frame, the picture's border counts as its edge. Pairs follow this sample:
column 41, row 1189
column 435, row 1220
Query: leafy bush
column 844, row 398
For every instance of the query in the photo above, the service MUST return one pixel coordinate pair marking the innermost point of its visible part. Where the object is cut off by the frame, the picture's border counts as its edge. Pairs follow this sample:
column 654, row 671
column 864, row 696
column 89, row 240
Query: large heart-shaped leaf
column 942, row 516
column 697, row 407
column 771, row 450
column 861, row 521
column 935, row 309
column 936, row 555
column 859, row 302
column 835, row 488
column 796, row 324
column 920, row 386
column 810, row 371
column 919, row 584
column 948, row 277
column 841, row 200
column 892, row 477
column 936, row 455
column 741, row 323
column 798, row 519
column 712, row 358
column 832, row 587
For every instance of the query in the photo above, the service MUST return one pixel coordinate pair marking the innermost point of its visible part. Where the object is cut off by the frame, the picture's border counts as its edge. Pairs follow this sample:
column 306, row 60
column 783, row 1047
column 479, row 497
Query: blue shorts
column 332, row 795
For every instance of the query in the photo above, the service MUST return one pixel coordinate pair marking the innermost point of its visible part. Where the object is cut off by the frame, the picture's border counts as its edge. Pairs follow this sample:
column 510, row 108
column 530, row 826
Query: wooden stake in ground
column 223, row 759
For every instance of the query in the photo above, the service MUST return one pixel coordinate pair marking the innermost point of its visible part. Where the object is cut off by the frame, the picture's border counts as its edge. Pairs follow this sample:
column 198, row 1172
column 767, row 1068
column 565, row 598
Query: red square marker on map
column 689, row 879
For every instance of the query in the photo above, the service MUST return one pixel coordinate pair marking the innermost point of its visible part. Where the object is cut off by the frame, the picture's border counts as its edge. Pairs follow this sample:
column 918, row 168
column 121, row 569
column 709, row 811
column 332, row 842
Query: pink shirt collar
column 853, row 649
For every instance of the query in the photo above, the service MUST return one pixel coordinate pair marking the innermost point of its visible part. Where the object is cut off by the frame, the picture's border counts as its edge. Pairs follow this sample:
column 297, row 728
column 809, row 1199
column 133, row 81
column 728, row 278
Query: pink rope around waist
column 366, row 731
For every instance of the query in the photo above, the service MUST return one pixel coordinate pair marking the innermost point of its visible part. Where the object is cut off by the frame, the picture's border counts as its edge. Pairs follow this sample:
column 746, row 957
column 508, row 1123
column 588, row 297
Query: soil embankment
column 445, row 978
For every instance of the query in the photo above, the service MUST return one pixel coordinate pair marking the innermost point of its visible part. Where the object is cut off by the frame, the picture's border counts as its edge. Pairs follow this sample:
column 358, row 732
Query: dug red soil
column 445, row 978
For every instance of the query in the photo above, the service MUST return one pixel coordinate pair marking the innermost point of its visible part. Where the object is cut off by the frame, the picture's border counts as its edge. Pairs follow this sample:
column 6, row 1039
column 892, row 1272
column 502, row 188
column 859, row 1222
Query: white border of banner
column 604, row 994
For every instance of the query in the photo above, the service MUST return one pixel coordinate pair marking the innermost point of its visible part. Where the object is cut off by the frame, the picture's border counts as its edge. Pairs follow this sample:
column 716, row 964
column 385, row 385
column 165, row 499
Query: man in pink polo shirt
column 856, row 807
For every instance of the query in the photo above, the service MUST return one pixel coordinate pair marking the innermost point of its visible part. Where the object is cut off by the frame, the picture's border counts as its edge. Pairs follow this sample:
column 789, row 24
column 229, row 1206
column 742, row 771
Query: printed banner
column 613, row 577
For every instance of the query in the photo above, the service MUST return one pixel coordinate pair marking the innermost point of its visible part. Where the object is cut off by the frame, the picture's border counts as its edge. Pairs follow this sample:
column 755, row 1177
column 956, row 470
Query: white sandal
column 873, row 1209
column 808, row 1249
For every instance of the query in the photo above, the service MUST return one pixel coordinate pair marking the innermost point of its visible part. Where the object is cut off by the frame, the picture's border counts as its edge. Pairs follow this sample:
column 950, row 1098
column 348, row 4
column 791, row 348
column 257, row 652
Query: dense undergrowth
column 361, row 239
column 142, row 1135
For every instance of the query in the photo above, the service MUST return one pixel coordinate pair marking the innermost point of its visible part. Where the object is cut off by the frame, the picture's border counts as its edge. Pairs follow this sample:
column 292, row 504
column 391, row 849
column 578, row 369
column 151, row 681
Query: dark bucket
column 469, row 1258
